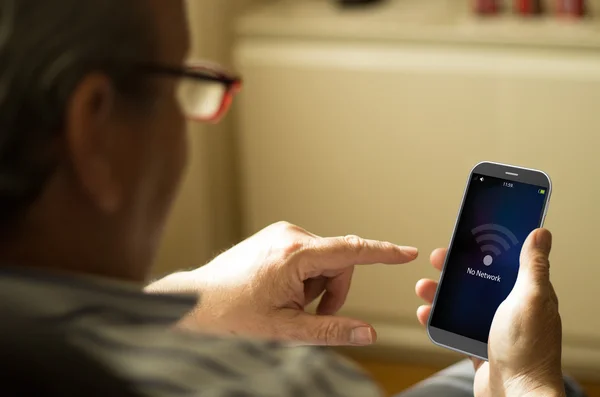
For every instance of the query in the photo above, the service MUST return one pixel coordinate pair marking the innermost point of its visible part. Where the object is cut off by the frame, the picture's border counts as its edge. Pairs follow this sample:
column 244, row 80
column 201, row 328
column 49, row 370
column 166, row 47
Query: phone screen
column 483, row 261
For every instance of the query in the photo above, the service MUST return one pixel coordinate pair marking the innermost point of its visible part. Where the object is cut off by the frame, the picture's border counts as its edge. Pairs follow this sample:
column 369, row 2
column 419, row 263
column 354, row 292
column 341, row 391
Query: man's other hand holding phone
column 525, row 339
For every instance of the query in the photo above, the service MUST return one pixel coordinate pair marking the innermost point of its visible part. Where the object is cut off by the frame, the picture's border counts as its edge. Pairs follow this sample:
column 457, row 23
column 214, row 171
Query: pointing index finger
column 337, row 253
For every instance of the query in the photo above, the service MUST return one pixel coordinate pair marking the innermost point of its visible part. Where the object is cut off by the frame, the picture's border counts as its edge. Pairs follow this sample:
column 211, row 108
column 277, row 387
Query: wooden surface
column 394, row 377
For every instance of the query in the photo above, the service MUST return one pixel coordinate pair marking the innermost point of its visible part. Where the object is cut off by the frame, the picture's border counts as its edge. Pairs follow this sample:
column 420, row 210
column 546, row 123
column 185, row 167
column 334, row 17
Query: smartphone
column 501, row 206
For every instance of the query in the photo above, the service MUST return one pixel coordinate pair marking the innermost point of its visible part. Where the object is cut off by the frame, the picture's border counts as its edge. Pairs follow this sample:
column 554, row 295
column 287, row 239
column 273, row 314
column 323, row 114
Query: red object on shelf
column 528, row 7
column 572, row 8
column 487, row 7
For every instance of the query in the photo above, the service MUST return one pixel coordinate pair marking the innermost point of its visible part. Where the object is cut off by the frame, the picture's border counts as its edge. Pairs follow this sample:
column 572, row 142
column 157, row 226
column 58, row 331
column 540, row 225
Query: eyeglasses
column 205, row 92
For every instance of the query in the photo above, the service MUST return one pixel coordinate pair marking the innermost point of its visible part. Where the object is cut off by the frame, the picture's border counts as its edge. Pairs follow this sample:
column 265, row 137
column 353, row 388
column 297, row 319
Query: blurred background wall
column 206, row 218
column 367, row 121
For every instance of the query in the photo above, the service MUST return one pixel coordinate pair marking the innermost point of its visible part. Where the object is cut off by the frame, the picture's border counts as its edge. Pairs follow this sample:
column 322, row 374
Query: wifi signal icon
column 493, row 240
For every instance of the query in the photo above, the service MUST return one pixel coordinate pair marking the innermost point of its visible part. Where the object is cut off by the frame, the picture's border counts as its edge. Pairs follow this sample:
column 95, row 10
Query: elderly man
column 92, row 149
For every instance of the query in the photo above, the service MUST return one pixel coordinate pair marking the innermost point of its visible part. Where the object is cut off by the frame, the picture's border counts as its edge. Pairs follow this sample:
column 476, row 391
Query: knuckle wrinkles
column 357, row 243
column 540, row 259
column 329, row 333
column 293, row 248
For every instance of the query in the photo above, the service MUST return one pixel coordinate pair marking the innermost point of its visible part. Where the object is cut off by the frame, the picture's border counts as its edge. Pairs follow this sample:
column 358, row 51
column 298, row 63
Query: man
column 92, row 149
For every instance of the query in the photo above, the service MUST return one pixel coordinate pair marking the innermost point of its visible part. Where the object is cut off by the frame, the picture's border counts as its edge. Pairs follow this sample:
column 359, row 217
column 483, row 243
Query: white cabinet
column 375, row 136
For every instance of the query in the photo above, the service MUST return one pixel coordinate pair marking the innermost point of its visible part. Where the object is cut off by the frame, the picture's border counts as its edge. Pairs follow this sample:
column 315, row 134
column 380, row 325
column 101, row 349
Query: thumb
column 534, row 269
column 333, row 330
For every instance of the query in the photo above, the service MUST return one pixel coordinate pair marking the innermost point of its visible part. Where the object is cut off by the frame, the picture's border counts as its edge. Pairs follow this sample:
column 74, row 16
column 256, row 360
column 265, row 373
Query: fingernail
column 543, row 240
column 410, row 251
column 362, row 336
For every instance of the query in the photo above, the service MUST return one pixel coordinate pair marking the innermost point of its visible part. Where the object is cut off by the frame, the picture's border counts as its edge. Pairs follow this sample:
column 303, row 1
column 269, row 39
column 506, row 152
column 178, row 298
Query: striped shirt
column 132, row 333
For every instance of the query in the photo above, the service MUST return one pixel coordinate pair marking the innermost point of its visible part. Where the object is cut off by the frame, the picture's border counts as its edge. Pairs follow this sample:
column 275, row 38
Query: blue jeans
column 457, row 381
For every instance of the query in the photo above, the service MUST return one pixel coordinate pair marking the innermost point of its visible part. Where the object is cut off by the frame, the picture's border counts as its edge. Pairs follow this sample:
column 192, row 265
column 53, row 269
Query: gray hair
column 46, row 48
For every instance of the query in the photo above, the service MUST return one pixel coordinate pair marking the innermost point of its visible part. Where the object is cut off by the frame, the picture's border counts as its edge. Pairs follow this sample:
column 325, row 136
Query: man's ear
column 90, row 141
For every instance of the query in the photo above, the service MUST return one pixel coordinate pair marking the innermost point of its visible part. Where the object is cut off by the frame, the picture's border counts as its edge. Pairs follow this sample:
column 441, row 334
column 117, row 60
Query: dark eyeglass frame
column 204, row 72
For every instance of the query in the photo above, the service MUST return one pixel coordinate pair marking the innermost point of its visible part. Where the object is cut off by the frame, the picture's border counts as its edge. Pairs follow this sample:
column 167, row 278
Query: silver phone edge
column 546, row 206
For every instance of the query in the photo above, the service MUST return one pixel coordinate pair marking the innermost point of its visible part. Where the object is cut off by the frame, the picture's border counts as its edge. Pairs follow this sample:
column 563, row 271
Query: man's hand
column 525, row 344
column 261, row 286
